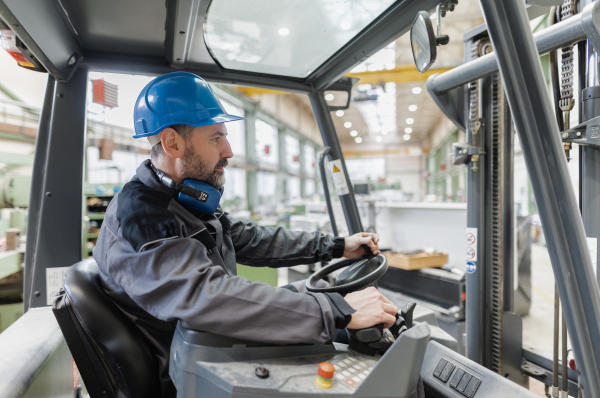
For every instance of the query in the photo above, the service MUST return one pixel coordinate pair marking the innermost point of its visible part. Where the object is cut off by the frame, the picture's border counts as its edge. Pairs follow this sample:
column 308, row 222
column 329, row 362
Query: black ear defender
column 194, row 194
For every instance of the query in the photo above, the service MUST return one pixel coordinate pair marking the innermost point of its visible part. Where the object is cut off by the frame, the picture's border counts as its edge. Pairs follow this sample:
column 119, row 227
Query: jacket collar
column 146, row 175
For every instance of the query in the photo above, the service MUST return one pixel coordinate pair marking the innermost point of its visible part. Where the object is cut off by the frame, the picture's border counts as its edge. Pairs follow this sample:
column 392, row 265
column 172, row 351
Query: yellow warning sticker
column 339, row 180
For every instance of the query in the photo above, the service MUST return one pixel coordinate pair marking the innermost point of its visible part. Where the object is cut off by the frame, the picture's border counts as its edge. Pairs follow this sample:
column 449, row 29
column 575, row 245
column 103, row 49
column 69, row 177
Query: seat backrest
column 112, row 355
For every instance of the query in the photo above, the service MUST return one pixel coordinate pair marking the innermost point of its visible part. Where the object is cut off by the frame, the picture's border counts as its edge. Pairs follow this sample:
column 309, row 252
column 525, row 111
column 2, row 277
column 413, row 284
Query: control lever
column 407, row 313
column 368, row 251
column 376, row 339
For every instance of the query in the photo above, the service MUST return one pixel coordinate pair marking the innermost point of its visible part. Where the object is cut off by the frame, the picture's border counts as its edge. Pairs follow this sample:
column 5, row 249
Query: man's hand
column 371, row 309
column 354, row 249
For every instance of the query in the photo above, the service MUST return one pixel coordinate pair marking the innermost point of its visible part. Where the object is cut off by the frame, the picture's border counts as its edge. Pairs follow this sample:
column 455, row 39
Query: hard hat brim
column 224, row 118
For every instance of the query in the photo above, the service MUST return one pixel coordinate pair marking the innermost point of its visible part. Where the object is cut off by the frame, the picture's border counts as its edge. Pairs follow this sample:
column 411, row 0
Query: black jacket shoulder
column 144, row 216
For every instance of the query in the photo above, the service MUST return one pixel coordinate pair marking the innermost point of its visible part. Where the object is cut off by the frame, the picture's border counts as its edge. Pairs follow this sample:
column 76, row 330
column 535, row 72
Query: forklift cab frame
column 68, row 38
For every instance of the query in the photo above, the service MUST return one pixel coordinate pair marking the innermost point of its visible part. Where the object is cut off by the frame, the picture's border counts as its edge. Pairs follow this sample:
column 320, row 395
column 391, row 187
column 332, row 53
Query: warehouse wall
column 293, row 110
column 403, row 164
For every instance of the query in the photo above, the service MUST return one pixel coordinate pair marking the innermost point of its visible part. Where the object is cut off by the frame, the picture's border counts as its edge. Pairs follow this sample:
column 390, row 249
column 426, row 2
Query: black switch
column 446, row 372
column 456, row 378
column 463, row 382
column 440, row 366
column 472, row 387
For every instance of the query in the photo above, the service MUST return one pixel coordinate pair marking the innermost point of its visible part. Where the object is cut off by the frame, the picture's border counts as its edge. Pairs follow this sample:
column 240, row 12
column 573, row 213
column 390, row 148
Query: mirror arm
column 442, row 40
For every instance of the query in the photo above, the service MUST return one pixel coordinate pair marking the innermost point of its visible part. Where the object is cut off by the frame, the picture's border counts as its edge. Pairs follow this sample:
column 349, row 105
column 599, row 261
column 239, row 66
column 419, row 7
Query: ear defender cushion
column 206, row 198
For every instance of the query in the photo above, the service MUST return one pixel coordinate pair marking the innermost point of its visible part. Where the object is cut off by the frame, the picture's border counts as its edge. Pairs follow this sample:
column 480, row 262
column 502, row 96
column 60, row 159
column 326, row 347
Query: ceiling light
column 354, row 133
column 345, row 25
column 339, row 113
column 406, row 137
column 408, row 130
column 412, row 108
column 410, row 120
column 329, row 97
column 384, row 131
column 378, row 138
column 416, row 90
column 358, row 140
column 284, row 32
column 347, row 125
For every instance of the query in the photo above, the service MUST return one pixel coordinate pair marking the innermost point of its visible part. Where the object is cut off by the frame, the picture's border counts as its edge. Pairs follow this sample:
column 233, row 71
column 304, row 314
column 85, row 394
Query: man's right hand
column 372, row 308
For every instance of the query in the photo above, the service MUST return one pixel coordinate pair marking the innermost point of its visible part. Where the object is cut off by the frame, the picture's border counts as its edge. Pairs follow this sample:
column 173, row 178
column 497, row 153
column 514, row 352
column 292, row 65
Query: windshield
column 288, row 38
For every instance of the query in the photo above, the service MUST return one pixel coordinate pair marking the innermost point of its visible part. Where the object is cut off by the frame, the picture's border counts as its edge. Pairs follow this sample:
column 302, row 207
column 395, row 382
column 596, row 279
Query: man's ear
column 172, row 143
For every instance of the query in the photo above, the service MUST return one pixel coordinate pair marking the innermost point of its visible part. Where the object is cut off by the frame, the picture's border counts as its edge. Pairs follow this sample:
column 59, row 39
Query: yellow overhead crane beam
column 400, row 74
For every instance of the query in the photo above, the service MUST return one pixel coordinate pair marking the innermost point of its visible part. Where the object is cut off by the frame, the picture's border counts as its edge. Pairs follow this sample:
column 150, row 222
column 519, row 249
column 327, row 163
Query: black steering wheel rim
column 347, row 287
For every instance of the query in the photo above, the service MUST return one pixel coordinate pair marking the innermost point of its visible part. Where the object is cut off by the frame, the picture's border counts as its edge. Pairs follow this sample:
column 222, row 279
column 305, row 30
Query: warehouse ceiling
column 391, row 118
column 391, row 106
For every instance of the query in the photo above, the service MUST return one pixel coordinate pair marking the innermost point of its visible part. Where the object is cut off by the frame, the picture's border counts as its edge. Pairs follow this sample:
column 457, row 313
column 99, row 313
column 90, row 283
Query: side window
column 236, row 132
column 266, row 142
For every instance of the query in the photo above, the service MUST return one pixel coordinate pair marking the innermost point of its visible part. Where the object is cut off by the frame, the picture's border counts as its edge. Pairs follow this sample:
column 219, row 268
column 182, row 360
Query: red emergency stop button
column 325, row 374
column 326, row 370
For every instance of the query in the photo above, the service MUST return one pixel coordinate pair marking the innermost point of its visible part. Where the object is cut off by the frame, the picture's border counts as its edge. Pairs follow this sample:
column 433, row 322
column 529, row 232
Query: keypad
column 351, row 371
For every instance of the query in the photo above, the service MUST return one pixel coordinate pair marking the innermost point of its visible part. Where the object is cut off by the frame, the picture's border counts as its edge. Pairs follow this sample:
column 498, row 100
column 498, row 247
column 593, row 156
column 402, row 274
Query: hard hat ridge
column 177, row 98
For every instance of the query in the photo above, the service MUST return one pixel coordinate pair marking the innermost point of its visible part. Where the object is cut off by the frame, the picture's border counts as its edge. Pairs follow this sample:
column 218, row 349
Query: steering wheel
column 359, row 273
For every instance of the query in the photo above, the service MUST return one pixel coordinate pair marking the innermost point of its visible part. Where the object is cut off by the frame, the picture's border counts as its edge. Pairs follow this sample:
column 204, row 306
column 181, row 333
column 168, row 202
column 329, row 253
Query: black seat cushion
column 109, row 343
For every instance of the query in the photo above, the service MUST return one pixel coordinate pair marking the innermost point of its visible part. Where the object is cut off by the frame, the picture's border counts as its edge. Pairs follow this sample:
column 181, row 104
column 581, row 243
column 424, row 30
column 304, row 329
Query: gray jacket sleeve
column 280, row 247
column 175, row 280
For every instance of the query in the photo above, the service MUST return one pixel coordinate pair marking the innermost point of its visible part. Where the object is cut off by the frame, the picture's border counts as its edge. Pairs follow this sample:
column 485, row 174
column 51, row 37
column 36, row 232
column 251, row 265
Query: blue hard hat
column 177, row 98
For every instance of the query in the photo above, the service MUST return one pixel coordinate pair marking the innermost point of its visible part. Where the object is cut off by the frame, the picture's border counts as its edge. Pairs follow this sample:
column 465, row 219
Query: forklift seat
column 113, row 357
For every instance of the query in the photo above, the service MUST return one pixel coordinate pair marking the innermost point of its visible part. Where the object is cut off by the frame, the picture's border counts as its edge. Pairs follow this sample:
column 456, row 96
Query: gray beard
column 196, row 169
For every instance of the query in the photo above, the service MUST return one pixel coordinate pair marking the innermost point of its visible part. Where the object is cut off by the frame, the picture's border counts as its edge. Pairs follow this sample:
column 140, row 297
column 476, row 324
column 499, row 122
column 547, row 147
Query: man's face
column 206, row 154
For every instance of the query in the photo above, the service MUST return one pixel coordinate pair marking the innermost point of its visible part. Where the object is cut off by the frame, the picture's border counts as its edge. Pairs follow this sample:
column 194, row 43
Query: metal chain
column 567, row 102
column 476, row 122
column 497, row 299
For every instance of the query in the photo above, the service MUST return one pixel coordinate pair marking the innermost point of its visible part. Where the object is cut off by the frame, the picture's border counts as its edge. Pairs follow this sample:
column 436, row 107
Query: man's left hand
column 354, row 249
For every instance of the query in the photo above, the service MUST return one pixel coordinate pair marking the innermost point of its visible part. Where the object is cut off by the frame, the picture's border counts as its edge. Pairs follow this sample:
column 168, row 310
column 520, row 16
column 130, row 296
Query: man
column 165, row 255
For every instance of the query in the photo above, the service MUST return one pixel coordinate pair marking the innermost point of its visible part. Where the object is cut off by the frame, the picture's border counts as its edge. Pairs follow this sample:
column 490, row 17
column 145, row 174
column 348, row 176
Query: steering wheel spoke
column 358, row 274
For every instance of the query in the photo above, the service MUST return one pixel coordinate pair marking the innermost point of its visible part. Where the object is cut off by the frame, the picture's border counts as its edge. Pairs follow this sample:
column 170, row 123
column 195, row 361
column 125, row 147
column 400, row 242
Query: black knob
column 261, row 372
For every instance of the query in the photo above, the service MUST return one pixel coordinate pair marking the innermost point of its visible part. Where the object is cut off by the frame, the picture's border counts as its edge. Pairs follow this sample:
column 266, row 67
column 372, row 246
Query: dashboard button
column 456, row 378
column 440, row 366
column 471, row 388
column 446, row 372
column 463, row 382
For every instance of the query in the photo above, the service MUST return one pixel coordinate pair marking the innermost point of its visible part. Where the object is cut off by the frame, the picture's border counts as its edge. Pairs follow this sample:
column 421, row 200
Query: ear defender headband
column 193, row 194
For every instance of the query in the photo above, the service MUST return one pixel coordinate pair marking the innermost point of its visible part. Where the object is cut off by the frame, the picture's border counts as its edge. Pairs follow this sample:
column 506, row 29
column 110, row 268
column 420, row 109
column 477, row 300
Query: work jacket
column 156, row 268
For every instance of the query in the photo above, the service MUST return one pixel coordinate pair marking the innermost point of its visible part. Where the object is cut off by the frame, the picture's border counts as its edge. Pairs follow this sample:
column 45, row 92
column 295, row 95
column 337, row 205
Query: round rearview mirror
column 423, row 42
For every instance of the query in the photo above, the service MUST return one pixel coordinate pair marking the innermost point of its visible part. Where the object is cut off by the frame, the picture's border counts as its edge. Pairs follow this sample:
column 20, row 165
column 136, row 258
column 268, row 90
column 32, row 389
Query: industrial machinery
column 68, row 38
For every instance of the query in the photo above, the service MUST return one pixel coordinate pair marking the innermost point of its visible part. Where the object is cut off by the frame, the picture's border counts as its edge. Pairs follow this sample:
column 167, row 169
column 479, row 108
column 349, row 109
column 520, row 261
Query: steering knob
column 359, row 273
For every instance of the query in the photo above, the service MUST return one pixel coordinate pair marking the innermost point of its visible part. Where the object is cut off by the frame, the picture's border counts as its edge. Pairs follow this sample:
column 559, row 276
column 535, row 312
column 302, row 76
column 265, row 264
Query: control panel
column 243, row 371
column 448, row 374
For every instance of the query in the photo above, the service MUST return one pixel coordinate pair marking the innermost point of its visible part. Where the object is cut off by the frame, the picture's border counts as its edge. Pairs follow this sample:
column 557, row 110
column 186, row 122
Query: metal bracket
column 531, row 369
column 462, row 153
column 586, row 133
column 345, row 84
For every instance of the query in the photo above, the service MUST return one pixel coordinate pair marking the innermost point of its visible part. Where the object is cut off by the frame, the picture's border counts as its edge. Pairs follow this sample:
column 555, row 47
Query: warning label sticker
column 55, row 279
column 339, row 180
column 471, row 244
